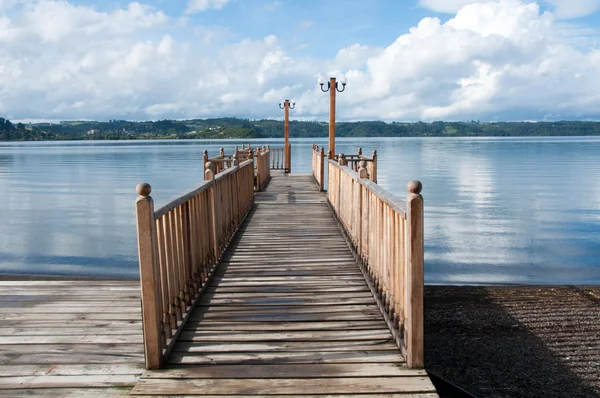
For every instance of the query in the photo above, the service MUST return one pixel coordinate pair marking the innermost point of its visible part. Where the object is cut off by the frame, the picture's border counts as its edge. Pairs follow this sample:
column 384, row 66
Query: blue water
column 497, row 210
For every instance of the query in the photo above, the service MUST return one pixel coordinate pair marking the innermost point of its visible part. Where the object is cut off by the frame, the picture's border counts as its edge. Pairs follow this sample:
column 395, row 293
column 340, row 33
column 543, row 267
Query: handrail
column 179, row 246
column 318, row 166
column 387, row 236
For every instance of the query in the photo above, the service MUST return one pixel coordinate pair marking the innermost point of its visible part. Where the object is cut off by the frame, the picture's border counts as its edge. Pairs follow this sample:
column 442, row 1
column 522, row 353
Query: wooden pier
column 286, row 291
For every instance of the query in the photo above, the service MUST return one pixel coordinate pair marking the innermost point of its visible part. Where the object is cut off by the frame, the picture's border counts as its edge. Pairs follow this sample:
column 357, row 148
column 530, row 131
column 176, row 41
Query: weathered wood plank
column 72, row 369
column 74, row 332
column 285, row 326
column 73, row 339
column 312, row 335
column 296, row 371
column 93, row 381
column 376, row 356
column 385, row 344
column 109, row 392
column 355, row 385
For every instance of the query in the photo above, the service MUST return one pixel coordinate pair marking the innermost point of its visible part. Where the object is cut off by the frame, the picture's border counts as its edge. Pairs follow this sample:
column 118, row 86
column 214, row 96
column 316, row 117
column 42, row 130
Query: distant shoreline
column 235, row 128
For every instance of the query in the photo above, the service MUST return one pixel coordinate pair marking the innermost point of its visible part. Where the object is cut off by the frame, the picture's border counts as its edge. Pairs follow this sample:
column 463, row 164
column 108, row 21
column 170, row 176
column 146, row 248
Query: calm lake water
column 517, row 210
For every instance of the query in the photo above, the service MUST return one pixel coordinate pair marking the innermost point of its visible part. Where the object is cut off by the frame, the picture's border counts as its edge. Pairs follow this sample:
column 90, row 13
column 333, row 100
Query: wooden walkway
column 70, row 338
column 287, row 313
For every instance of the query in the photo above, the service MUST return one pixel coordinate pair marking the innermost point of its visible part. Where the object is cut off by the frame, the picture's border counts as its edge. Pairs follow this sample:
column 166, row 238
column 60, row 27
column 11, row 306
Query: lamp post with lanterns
column 286, row 133
column 332, row 87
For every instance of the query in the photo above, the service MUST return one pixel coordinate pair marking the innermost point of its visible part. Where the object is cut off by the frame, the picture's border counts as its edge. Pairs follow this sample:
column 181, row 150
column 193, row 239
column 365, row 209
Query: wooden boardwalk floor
column 288, row 312
column 70, row 338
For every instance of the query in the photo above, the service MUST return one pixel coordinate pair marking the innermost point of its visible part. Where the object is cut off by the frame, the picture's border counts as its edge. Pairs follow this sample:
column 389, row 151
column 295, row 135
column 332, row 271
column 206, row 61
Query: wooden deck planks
column 287, row 313
column 70, row 338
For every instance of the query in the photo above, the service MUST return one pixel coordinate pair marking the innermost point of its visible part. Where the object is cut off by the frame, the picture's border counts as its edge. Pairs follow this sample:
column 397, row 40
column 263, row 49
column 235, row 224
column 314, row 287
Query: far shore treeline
column 246, row 128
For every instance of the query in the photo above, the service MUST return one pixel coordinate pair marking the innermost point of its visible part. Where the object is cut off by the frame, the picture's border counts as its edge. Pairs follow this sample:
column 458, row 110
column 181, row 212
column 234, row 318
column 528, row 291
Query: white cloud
column 498, row 60
column 563, row 9
column 306, row 24
column 568, row 9
column 272, row 6
column 447, row 6
column 203, row 5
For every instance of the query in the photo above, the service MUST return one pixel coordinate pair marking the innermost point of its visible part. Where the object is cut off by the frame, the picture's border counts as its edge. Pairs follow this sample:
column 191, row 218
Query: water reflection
column 497, row 210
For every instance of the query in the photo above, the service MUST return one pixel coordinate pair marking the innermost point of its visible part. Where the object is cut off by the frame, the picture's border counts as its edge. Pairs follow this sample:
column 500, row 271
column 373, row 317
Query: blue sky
column 404, row 60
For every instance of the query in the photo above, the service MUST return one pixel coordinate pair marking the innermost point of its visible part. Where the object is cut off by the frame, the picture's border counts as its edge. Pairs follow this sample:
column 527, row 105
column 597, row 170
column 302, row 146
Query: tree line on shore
column 266, row 128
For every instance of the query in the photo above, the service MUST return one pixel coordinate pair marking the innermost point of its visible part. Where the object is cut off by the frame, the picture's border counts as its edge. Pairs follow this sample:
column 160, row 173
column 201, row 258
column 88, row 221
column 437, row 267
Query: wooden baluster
column 170, row 252
column 205, row 236
column 258, row 169
column 164, row 280
column 236, row 201
column 414, row 312
column 149, row 277
column 210, row 176
column 178, row 227
column 188, row 251
column 321, row 166
column 196, row 220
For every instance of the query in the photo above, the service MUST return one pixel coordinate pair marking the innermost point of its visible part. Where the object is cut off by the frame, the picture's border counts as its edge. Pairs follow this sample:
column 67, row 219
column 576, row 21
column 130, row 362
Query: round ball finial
column 362, row 164
column 415, row 187
column 208, row 166
column 143, row 189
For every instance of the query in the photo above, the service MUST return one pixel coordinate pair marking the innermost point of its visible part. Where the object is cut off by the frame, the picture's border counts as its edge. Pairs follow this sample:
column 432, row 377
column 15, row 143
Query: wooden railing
column 224, row 161
column 277, row 158
column 387, row 235
column 353, row 161
column 263, row 170
column 179, row 246
column 318, row 166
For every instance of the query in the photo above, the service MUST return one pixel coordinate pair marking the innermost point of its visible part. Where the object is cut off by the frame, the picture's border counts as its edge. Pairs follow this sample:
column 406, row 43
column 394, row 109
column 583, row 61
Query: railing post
column 362, row 170
column 149, row 277
column 413, row 335
column 374, row 169
column 288, row 158
column 322, row 169
column 209, row 175
column 235, row 190
column 258, row 168
column 362, row 173
column 205, row 158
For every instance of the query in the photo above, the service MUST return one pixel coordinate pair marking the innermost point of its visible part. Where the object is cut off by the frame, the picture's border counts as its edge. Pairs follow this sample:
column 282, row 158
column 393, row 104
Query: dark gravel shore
column 509, row 341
